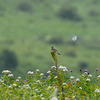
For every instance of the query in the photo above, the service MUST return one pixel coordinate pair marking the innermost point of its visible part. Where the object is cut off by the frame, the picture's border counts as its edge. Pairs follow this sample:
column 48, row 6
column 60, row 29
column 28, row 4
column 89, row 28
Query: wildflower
column 72, row 77
column 63, row 68
column 53, row 67
column 17, row 80
column 74, row 38
column 41, row 95
column 85, row 70
column 38, row 81
column 10, row 86
column 19, row 77
column 90, row 75
column 97, row 69
column 77, row 80
column 48, row 72
column 71, row 70
column 1, row 81
column 80, row 87
column 49, row 76
column 26, row 86
column 14, row 85
column 41, row 74
column 98, row 76
column 6, row 71
column 36, row 89
column 87, row 79
column 25, row 80
column 64, row 83
column 10, row 75
column 80, row 70
column 97, row 91
column 30, row 72
column 55, row 76
column 73, row 97
column 37, row 70
column 49, row 87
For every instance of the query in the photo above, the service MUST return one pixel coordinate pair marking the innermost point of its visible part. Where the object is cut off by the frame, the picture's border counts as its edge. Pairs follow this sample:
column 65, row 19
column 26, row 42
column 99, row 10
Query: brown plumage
column 54, row 50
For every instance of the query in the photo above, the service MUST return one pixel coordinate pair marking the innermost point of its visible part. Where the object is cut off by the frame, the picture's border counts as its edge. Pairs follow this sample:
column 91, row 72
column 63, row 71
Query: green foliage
column 69, row 13
column 36, row 86
column 8, row 59
column 25, row 6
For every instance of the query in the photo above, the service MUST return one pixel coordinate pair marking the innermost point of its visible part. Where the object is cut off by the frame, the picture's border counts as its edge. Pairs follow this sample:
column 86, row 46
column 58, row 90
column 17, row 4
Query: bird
column 53, row 53
column 54, row 50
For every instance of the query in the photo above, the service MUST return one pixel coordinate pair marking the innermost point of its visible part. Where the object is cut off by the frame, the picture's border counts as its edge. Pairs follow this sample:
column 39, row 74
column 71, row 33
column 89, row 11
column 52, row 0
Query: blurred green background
column 28, row 29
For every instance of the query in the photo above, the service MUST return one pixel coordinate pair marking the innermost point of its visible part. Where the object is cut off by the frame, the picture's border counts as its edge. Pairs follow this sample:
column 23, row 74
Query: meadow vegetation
column 37, row 86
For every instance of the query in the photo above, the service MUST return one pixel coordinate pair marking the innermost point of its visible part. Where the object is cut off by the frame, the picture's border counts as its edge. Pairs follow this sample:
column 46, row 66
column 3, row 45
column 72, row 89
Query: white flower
column 90, row 75
column 49, row 87
column 14, row 85
column 6, row 71
column 87, row 79
column 64, row 83
column 30, row 72
column 97, row 91
column 19, row 77
column 74, row 38
column 38, row 81
column 41, row 74
column 1, row 81
column 49, row 76
column 63, row 68
column 55, row 76
column 86, row 72
column 17, row 80
column 73, row 97
column 37, row 70
column 53, row 67
column 10, row 86
column 36, row 89
column 48, row 72
column 77, row 80
column 41, row 95
column 26, row 86
column 80, row 87
column 72, row 77
column 10, row 75
column 98, row 76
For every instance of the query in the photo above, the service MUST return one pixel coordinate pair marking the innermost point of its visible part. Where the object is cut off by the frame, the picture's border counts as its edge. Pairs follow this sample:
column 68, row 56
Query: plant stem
column 60, row 82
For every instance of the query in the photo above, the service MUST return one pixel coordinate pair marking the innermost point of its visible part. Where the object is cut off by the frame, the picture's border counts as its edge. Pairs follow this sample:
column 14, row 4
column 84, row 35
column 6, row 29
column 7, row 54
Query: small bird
column 54, row 50
column 53, row 53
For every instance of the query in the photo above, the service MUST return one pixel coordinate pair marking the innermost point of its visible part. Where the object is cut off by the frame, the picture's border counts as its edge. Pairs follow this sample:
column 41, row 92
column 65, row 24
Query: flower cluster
column 37, row 86
column 63, row 68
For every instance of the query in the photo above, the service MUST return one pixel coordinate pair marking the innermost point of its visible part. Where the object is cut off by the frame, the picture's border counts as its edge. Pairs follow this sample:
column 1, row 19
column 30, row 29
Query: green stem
column 60, row 82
